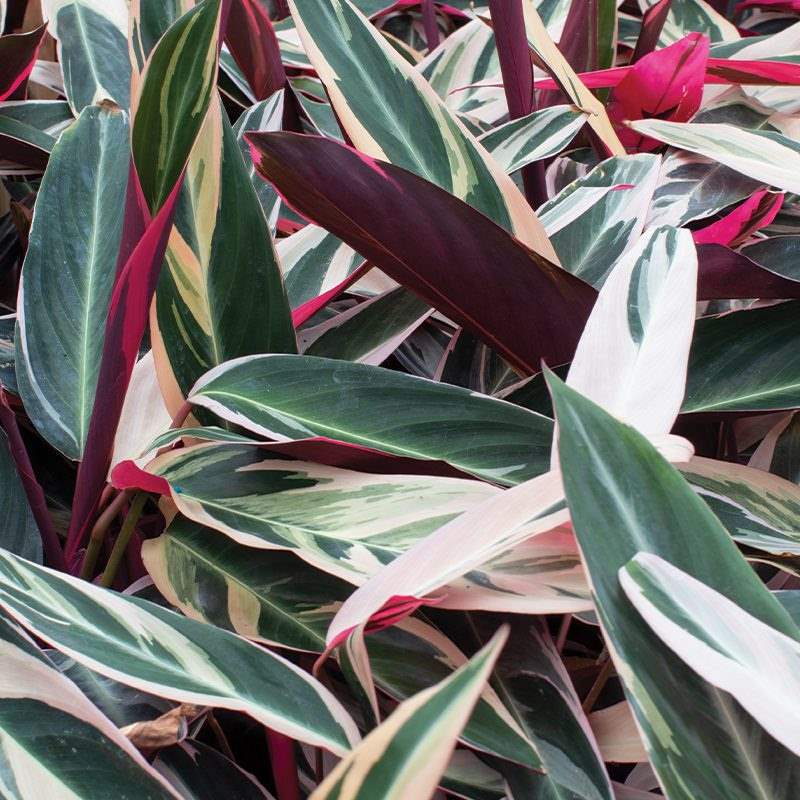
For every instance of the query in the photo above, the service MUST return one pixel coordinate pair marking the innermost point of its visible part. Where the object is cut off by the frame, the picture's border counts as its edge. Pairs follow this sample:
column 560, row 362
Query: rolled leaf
column 309, row 172
column 144, row 645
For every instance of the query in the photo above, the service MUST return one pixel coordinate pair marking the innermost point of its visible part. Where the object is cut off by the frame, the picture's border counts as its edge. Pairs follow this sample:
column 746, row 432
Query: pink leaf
column 734, row 228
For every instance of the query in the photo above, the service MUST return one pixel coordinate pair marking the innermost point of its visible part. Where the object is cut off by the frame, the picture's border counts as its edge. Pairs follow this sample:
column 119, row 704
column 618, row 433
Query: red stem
column 53, row 553
column 284, row 766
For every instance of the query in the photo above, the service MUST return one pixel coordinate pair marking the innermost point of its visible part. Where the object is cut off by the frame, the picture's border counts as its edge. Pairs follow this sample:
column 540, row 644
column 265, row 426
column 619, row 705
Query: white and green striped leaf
column 720, row 641
column 275, row 598
column 390, row 112
column 764, row 156
column 314, row 262
column 540, row 135
column 371, row 331
column 19, row 532
column 624, row 498
column 759, row 509
column 144, row 645
column 220, row 295
column 746, row 361
column 632, row 355
column 54, row 742
column 406, row 756
column 71, row 266
column 461, row 61
column 343, row 522
column 92, row 38
column 266, row 115
column 595, row 219
column 779, row 452
column 294, row 397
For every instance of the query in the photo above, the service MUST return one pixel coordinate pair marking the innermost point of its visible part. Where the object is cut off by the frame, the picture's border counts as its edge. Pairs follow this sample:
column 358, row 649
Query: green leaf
column 19, row 532
column 390, row 112
column 596, row 218
column 731, row 649
column 54, row 742
column 343, row 522
column 407, row 755
column 145, row 646
column 746, row 361
column 71, row 266
column 198, row 772
column 92, row 38
column 295, row 397
column 624, row 498
column 175, row 94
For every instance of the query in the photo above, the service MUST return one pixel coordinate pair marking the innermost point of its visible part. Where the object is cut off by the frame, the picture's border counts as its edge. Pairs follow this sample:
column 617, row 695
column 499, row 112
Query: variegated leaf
column 144, row 645
column 407, row 755
column 92, row 48
column 71, row 267
column 220, row 295
column 539, row 135
column 733, row 650
column 343, row 522
column 54, row 742
column 454, row 69
column 632, row 356
column 389, row 110
column 293, row 397
column 595, row 219
column 616, row 482
column 545, row 49
column 314, row 262
column 779, row 452
column 764, row 156
column 266, row 115
column 275, row 598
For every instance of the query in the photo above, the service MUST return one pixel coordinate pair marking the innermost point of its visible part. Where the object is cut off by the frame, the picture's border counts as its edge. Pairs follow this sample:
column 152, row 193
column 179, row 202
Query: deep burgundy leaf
column 17, row 151
column 734, row 228
column 254, row 47
column 125, row 326
column 451, row 255
column 514, row 54
column 725, row 274
column 652, row 25
column 18, row 52
column 430, row 23
column 578, row 42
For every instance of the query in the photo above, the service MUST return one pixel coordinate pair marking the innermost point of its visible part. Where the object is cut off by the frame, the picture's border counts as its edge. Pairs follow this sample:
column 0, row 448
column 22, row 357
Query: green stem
column 124, row 536
column 99, row 531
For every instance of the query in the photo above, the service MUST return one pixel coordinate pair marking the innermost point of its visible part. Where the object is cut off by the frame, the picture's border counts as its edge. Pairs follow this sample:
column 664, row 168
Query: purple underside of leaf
column 652, row 25
column 127, row 320
column 254, row 46
column 426, row 239
column 724, row 273
column 18, row 54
